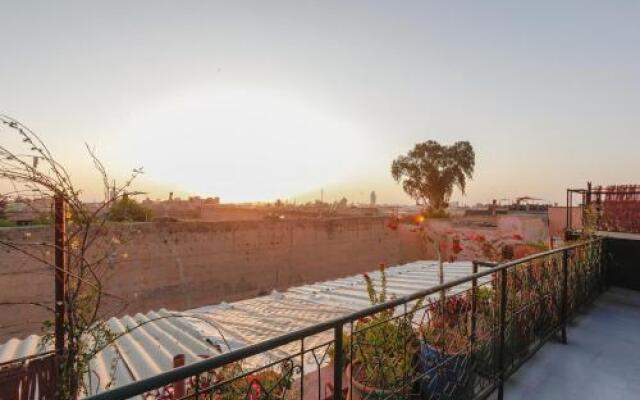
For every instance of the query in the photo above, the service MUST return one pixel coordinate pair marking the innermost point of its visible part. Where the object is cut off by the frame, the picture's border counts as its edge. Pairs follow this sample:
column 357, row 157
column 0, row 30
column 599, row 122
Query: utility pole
column 60, row 272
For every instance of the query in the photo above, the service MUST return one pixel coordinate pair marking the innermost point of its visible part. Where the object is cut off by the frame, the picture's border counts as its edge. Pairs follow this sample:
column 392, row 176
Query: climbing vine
column 90, row 248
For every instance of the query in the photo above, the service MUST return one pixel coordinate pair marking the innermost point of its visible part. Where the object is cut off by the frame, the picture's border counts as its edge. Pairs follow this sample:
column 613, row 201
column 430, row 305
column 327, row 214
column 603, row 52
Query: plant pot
column 443, row 376
column 365, row 391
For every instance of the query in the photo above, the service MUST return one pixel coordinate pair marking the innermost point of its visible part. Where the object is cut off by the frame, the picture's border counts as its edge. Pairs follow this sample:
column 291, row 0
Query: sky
column 262, row 100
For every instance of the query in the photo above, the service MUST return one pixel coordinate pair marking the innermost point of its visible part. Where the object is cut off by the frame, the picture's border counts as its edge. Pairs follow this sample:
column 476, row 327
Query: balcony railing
column 462, row 339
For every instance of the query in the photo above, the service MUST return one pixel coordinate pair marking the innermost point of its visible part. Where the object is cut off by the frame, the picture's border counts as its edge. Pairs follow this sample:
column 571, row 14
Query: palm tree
column 430, row 171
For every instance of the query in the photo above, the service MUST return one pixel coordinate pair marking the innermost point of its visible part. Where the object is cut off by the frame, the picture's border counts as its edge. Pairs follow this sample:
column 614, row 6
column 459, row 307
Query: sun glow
column 245, row 146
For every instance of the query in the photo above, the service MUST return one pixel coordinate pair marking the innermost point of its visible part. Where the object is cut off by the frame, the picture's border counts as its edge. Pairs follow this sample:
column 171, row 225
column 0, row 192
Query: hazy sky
column 267, row 99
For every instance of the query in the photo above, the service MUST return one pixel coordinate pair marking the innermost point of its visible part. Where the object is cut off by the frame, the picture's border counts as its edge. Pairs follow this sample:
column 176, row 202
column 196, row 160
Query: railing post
column 338, row 363
column 565, row 294
column 502, row 328
column 568, row 216
column 474, row 305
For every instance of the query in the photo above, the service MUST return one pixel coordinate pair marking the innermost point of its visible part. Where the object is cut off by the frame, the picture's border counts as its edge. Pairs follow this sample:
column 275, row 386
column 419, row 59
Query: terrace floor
column 600, row 361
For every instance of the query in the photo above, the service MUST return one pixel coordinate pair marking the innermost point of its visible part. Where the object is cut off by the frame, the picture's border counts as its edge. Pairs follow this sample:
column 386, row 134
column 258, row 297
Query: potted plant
column 235, row 382
column 383, row 348
column 445, row 352
column 456, row 350
column 486, row 336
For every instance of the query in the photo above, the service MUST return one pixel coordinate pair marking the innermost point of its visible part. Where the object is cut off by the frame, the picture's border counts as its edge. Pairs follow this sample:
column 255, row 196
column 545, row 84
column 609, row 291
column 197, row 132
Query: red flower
column 444, row 246
column 254, row 391
column 517, row 237
column 477, row 238
column 456, row 246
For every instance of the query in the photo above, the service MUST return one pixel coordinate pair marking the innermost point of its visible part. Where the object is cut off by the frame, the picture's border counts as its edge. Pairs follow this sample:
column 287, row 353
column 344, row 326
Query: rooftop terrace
column 601, row 361
column 473, row 336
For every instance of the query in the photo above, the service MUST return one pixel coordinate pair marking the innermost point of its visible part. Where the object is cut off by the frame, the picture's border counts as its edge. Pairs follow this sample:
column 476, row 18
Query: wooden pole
column 59, row 279
column 179, row 388
column 60, row 272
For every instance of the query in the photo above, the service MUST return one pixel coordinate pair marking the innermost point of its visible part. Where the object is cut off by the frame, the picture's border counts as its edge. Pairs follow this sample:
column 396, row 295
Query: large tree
column 430, row 171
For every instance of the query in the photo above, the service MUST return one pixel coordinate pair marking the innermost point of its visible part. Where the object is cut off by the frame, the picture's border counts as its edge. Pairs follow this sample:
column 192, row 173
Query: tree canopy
column 430, row 171
column 128, row 210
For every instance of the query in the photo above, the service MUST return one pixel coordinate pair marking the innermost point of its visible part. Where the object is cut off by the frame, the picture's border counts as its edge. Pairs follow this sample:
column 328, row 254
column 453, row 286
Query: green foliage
column 540, row 246
column 84, row 330
column 129, row 210
column 383, row 345
column 42, row 220
column 432, row 213
column 6, row 223
column 384, row 350
column 240, row 383
column 430, row 171
column 590, row 220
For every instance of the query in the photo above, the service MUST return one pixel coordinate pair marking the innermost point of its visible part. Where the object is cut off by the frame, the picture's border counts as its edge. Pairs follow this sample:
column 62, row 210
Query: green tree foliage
column 6, row 223
column 128, row 210
column 3, row 205
column 430, row 171
column 3, row 217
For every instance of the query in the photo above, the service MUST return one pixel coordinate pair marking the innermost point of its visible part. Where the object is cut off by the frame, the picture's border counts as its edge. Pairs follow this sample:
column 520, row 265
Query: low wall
column 528, row 228
column 621, row 263
column 558, row 220
column 183, row 265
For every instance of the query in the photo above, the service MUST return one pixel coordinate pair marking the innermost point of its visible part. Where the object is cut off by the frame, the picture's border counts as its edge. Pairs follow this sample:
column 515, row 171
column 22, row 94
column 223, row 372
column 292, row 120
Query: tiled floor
column 601, row 360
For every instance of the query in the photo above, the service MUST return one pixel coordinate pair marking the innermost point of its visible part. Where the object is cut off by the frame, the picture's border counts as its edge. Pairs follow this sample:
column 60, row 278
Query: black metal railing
column 459, row 340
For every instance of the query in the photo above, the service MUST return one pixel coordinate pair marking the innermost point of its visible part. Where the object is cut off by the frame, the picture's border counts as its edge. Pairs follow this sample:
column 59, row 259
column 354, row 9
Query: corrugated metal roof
column 210, row 330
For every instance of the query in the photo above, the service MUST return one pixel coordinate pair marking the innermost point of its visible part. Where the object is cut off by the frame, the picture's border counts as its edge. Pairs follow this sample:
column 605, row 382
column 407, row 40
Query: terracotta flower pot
column 369, row 392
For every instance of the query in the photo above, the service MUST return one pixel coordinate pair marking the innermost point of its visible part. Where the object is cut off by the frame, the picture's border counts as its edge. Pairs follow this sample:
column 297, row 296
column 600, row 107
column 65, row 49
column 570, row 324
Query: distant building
column 372, row 198
column 29, row 211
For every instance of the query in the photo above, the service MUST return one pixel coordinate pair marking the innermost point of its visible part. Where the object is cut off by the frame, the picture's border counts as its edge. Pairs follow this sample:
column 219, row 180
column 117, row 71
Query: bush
column 6, row 223
column 433, row 213
column 129, row 210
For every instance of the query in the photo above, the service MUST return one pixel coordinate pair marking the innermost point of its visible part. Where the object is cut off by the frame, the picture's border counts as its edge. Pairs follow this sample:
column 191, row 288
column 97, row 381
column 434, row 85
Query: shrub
column 129, row 210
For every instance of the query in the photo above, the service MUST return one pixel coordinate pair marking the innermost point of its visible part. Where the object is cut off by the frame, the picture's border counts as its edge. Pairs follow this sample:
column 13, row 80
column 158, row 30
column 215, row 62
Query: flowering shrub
column 255, row 386
column 620, row 208
column 447, row 328
column 383, row 346
column 231, row 383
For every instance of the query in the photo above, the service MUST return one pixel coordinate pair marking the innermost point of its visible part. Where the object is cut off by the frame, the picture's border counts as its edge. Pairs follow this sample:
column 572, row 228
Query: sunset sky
column 270, row 99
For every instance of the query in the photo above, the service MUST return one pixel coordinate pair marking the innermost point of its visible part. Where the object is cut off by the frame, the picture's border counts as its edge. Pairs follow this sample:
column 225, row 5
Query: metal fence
column 460, row 340
column 28, row 378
